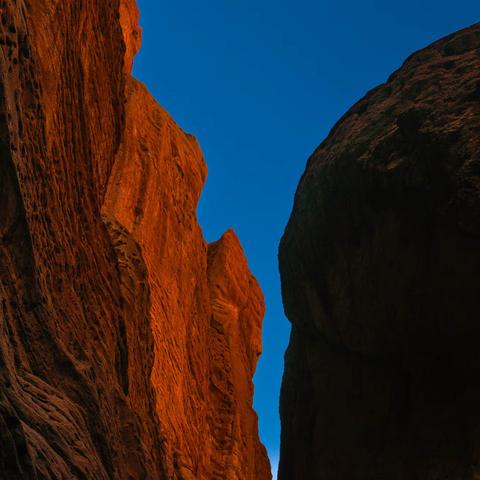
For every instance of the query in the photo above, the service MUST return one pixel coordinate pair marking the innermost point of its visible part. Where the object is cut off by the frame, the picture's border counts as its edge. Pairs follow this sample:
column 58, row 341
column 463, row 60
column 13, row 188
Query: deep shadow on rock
column 380, row 266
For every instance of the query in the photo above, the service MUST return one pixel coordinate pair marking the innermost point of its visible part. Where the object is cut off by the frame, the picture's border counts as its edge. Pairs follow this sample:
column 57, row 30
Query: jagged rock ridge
column 380, row 266
column 127, row 344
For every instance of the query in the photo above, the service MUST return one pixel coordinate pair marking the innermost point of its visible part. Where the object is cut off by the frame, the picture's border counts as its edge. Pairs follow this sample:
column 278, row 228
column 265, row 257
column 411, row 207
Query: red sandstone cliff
column 380, row 266
column 127, row 344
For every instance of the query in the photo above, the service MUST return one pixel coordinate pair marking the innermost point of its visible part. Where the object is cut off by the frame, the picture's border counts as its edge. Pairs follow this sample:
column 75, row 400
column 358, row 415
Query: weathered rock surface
column 380, row 266
column 127, row 344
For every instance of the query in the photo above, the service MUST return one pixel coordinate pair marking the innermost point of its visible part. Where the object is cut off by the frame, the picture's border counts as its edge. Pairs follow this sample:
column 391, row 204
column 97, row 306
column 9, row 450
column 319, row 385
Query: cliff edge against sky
column 127, row 344
column 380, row 267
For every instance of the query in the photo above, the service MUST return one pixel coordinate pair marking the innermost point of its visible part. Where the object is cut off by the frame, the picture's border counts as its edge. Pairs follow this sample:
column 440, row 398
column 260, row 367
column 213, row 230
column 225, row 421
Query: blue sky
column 260, row 83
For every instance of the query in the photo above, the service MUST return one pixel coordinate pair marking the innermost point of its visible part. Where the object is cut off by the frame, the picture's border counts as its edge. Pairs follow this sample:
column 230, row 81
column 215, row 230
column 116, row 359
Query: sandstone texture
column 127, row 343
column 380, row 267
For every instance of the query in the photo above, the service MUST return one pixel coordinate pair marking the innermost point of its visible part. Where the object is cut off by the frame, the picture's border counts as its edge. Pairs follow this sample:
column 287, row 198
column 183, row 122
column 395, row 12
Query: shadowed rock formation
column 380, row 266
column 127, row 344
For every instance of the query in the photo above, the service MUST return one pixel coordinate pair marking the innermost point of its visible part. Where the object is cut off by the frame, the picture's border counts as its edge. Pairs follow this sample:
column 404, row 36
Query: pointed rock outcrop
column 111, row 364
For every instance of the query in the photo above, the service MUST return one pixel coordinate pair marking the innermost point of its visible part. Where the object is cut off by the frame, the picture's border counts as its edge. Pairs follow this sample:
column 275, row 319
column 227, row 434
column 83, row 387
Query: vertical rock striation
column 235, row 345
column 380, row 266
column 202, row 366
column 116, row 361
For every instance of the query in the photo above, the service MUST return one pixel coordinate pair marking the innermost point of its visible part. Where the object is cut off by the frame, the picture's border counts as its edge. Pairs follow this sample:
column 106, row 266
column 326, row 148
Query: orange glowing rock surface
column 127, row 344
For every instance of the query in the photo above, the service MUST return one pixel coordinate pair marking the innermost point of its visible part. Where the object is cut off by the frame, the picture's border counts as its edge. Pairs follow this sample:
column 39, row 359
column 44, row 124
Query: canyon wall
column 380, row 267
column 127, row 343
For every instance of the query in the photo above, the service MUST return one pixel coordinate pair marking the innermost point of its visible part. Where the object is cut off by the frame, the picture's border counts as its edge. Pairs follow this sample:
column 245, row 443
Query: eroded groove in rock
column 105, row 309
column 380, row 266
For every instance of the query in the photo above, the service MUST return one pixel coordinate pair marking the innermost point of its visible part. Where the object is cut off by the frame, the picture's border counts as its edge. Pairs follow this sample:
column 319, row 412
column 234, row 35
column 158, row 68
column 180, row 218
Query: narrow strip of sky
column 260, row 83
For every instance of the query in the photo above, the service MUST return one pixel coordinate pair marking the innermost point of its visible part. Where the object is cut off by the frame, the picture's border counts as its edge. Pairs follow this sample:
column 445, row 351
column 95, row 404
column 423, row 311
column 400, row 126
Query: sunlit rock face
column 380, row 266
column 127, row 344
